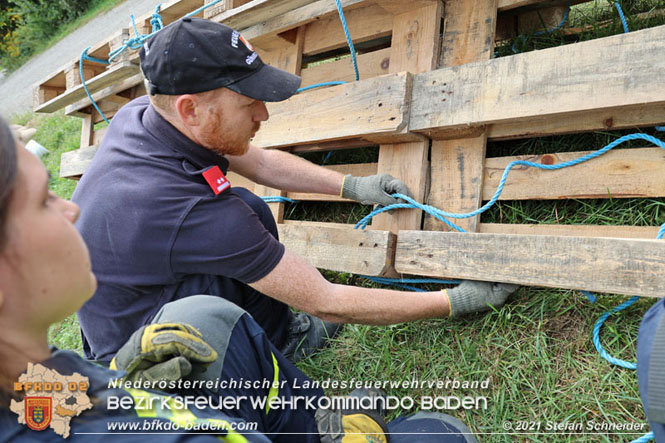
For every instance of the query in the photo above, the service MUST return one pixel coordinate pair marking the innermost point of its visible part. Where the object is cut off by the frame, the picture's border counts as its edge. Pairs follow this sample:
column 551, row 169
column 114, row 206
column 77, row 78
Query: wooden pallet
column 419, row 85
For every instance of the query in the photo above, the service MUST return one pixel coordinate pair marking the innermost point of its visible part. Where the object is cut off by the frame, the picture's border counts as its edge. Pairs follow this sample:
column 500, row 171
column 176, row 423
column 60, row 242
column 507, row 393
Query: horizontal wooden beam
column 340, row 249
column 74, row 163
column 529, row 5
column 371, row 64
column 257, row 11
column 116, row 73
column 555, row 83
column 622, row 266
column 369, row 109
column 645, row 232
column 120, row 86
column 620, row 173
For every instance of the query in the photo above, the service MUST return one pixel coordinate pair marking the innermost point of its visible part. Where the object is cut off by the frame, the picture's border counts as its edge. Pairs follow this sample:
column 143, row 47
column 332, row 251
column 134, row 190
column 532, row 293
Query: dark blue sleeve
column 645, row 342
column 224, row 236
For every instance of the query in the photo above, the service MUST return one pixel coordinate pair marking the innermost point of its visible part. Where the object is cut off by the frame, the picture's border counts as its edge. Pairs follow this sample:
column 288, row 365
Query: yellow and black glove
column 164, row 352
column 351, row 426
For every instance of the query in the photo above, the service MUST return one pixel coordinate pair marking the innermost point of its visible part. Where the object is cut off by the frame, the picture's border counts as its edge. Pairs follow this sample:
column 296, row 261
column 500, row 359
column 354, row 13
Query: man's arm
column 281, row 170
column 299, row 284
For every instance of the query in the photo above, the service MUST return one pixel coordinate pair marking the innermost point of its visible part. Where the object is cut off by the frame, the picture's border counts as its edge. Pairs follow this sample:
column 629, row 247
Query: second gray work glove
column 475, row 296
column 375, row 189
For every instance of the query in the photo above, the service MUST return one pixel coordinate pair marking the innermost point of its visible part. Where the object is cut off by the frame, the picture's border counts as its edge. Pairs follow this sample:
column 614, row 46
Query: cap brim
column 267, row 84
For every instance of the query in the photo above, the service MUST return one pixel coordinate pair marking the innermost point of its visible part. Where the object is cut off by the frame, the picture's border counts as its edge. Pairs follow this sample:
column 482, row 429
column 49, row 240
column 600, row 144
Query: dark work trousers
column 247, row 356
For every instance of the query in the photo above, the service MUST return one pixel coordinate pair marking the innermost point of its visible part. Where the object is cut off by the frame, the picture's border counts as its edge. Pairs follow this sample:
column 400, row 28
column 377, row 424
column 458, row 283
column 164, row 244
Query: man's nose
column 261, row 112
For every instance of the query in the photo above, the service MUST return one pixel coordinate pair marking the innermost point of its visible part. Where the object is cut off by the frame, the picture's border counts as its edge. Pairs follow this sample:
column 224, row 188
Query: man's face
column 230, row 121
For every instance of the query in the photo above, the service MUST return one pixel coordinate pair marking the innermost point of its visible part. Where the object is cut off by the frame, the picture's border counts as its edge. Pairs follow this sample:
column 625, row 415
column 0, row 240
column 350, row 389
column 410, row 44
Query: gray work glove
column 164, row 352
column 375, row 189
column 475, row 296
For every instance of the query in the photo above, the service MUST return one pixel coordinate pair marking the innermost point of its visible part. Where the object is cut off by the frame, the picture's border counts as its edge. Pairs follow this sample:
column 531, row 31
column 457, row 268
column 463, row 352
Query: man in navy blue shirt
column 163, row 222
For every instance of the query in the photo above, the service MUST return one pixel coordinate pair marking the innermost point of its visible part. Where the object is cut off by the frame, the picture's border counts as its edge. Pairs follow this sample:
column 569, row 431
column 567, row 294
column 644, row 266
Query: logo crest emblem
column 38, row 412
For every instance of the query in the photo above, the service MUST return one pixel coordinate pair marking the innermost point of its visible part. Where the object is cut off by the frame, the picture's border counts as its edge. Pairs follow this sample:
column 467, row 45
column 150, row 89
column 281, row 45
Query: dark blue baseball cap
column 195, row 55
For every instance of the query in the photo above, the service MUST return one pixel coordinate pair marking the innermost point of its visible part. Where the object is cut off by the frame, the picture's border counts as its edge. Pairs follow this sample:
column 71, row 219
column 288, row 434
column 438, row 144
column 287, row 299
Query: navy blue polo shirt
column 153, row 226
column 645, row 348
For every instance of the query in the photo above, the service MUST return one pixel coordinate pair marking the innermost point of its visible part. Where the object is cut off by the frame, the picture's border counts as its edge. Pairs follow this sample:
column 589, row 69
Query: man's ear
column 186, row 107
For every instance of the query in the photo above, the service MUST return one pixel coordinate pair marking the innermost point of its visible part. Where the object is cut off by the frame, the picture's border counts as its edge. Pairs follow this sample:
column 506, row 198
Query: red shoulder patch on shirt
column 216, row 179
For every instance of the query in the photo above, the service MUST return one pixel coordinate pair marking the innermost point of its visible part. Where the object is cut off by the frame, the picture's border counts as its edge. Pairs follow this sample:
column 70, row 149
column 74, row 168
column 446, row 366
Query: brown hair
column 8, row 168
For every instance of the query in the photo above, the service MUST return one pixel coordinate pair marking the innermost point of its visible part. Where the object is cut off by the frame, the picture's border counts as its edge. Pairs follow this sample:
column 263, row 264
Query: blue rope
column 438, row 213
column 348, row 38
column 277, row 199
column 660, row 128
column 85, row 87
column 589, row 296
column 622, row 17
column 320, row 85
column 596, row 335
column 645, row 438
column 546, row 31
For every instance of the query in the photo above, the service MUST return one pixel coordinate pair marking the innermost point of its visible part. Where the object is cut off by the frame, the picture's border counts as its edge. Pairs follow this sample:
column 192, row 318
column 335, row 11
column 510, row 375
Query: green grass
column 536, row 351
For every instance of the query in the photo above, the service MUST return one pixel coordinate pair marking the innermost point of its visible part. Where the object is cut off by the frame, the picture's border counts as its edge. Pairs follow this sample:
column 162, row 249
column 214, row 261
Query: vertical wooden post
column 414, row 48
column 87, row 130
column 457, row 165
column 286, row 55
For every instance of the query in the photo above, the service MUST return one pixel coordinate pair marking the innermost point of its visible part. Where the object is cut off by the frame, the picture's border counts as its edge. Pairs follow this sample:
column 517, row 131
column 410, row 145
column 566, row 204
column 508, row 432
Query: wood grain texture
column 529, row 5
column 415, row 47
column 621, row 173
column 340, row 249
column 257, row 11
column 116, row 88
column 370, row 65
column 645, row 232
column 377, row 106
column 116, row 73
column 74, row 163
column 457, row 165
column 623, row 266
column 549, row 83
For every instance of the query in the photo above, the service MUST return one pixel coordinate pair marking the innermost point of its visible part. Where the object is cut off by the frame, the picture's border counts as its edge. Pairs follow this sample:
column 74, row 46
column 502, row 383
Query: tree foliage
column 25, row 24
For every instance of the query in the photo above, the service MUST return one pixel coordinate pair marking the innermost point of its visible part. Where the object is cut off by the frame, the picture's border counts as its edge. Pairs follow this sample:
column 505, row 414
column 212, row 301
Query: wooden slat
column 645, row 232
column 370, row 65
column 366, row 23
column 539, row 20
column 74, row 163
column 367, row 108
column 528, row 5
column 415, row 47
column 318, row 10
column 256, row 12
column 624, row 266
column 121, row 71
column 116, row 88
column 620, row 173
column 629, row 117
column 457, row 165
column 554, row 83
column 340, row 249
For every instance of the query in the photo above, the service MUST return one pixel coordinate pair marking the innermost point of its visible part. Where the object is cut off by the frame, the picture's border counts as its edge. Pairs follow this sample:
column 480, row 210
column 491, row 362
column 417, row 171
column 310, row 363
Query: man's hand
column 168, row 351
column 375, row 189
column 475, row 296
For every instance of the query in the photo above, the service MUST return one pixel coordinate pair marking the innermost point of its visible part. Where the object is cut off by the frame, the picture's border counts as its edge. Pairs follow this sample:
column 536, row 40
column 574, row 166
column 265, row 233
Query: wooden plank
column 554, row 83
column 366, row 23
column 371, row 64
column 340, row 249
column 397, row 7
column 415, row 47
column 121, row 71
column 629, row 117
column 114, row 89
column 376, row 106
column 624, row 266
column 645, row 232
column 74, row 163
column 257, row 11
column 87, row 129
column 317, row 10
column 620, row 173
column 530, row 5
column 541, row 19
column 457, row 165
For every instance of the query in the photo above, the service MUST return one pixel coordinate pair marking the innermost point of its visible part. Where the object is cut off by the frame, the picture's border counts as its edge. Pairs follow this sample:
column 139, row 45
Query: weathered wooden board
column 620, row 173
column 120, row 86
column 623, row 266
column 340, row 249
column 365, row 23
column 371, row 64
column 554, row 83
column 526, row 5
column 457, row 165
column 377, row 106
column 645, row 232
column 118, row 72
column 415, row 47
column 257, row 11
column 74, row 163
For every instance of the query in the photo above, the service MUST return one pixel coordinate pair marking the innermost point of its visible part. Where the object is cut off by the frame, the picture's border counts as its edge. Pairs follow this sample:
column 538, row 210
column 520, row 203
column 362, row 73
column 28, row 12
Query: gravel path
column 16, row 89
